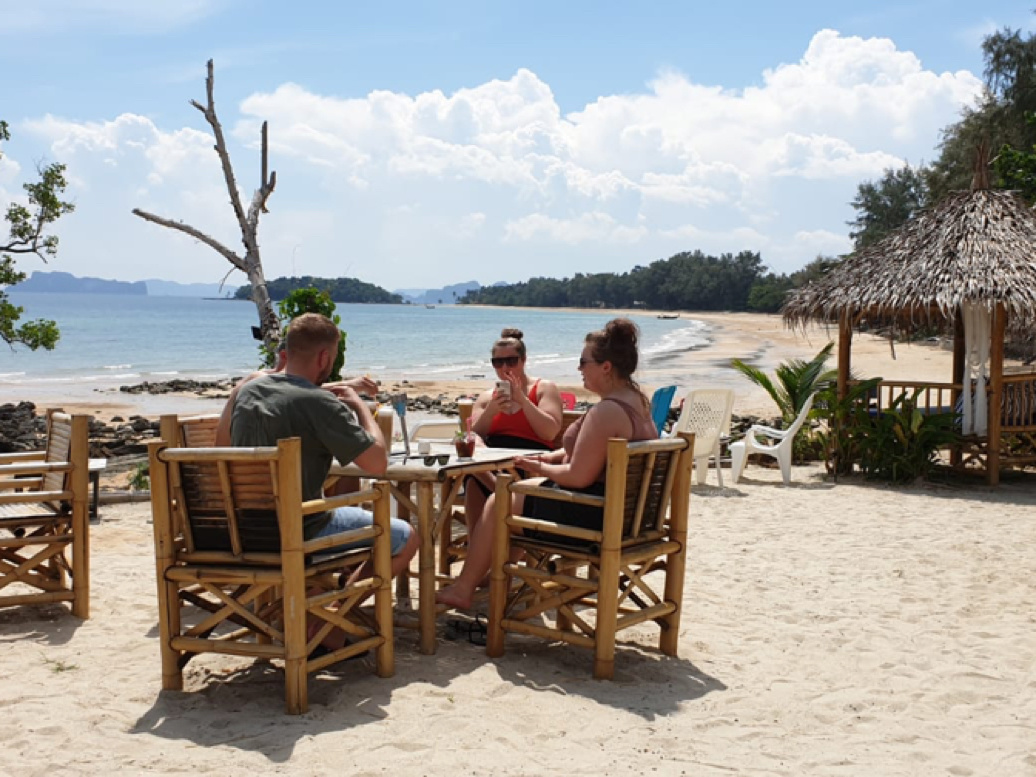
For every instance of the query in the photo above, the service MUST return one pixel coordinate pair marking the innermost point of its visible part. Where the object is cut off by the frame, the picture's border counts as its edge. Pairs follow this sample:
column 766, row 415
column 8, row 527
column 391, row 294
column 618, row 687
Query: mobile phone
column 503, row 388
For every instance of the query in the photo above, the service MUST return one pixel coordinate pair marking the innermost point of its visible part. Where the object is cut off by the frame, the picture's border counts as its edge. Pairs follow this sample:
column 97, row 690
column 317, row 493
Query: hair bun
column 514, row 334
column 622, row 330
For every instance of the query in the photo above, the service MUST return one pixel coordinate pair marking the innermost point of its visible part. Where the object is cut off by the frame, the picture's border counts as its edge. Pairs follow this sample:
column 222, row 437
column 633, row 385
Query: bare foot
column 452, row 597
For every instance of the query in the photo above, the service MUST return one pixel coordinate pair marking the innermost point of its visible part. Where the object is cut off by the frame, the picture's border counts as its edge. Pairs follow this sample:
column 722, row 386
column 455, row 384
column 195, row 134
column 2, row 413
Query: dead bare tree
column 250, row 263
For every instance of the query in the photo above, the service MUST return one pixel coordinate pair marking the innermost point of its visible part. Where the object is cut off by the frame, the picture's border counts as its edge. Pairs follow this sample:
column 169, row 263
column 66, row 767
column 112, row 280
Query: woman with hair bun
column 525, row 414
column 607, row 363
column 520, row 412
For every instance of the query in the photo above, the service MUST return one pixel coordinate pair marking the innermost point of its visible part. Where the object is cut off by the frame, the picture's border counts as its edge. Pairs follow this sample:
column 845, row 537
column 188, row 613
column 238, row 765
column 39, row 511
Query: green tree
column 28, row 227
column 309, row 300
column 1001, row 117
column 884, row 205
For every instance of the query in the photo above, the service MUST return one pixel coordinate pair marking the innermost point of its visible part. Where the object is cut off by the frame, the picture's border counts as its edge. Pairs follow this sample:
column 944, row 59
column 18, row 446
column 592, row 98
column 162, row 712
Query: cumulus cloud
column 408, row 185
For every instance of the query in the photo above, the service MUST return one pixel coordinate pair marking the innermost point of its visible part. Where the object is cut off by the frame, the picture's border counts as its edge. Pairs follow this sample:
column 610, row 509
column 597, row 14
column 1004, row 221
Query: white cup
column 424, row 447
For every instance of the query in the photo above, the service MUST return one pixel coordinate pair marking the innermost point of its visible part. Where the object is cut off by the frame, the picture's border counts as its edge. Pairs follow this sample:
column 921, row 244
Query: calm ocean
column 108, row 340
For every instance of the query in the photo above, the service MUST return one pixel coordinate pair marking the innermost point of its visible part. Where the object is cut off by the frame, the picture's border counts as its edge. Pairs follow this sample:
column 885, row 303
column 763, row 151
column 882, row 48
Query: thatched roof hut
column 971, row 262
column 977, row 247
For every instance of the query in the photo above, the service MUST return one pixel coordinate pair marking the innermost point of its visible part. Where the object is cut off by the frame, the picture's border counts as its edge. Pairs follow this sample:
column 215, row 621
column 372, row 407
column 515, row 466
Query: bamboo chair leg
column 385, row 654
column 607, row 616
column 168, row 626
column 403, row 580
column 295, row 610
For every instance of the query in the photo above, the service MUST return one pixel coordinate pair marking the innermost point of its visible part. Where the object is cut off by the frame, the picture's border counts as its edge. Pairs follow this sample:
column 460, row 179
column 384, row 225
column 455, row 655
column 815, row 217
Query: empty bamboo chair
column 596, row 582
column 44, row 521
column 228, row 525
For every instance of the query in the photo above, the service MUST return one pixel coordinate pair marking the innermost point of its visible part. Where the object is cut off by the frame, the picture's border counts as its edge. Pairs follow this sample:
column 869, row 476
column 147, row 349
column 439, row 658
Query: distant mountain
column 447, row 295
column 63, row 282
column 158, row 288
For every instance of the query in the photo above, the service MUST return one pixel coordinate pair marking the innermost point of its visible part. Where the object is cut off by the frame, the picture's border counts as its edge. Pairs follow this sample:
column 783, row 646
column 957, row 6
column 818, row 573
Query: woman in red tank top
column 607, row 364
column 526, row 415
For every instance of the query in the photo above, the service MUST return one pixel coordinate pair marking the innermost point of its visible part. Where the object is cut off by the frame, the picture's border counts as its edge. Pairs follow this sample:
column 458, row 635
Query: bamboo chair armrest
column 20, row 456
column 552, row 527
column 343, row 500
column 21, row 483
column 532, row 487
column 342, row 538
column 34, row 497
column 34, row 468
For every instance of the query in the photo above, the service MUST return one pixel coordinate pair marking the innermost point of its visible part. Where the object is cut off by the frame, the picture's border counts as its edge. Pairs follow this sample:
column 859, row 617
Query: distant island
column 65, row 283
column 340, row 289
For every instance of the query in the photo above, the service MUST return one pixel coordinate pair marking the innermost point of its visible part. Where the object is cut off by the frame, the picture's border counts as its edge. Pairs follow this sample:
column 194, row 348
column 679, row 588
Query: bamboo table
column 405, row 472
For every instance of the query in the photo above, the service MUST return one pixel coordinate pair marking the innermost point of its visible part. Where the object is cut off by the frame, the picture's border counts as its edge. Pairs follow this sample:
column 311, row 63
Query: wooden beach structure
column 969, row 263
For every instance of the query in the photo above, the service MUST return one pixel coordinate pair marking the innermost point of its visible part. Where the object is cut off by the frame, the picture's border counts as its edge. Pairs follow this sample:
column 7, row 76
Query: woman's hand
column 530, row 465
column 509, row 403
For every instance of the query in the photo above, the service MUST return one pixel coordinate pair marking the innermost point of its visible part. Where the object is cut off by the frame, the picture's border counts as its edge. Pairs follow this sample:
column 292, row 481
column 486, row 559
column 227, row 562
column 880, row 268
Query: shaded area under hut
column 968, row 263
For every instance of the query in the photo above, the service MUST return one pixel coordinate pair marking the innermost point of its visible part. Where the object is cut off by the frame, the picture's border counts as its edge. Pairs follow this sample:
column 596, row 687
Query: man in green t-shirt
column 339, row 425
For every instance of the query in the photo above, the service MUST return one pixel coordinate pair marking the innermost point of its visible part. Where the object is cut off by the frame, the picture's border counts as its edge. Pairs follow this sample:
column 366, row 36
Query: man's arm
column 375, row 458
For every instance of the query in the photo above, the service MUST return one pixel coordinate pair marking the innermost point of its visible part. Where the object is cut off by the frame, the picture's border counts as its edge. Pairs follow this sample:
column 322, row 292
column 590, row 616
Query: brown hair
column 310, row 332
column 617, row 343
column 511, row 338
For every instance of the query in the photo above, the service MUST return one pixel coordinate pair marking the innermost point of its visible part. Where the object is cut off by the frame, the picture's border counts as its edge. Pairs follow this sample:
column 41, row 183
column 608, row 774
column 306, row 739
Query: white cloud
column 417, row 190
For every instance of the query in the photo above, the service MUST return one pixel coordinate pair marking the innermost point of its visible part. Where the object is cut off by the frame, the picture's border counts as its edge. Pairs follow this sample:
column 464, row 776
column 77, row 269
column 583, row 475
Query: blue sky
column 418, row 144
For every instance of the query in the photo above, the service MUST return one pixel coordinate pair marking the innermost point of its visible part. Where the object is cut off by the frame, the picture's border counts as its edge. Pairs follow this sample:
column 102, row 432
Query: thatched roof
column 977, row 246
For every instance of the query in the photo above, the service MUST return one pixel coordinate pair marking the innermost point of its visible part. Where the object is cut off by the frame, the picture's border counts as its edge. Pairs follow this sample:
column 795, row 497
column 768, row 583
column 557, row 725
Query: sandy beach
column 893, row 637
column 828, row 629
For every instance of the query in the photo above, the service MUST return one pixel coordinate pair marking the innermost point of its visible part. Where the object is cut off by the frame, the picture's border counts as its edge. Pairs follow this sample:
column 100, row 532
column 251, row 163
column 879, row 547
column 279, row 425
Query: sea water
column 112, row 340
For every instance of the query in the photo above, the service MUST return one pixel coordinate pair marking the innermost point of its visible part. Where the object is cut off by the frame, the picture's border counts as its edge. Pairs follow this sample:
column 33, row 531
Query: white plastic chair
column 706, row 413
column 769, row 442
column 434, row 430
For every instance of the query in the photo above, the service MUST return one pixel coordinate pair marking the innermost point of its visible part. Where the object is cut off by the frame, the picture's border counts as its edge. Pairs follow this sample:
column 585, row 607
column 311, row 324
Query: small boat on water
column 668, row 316
column 430, row 307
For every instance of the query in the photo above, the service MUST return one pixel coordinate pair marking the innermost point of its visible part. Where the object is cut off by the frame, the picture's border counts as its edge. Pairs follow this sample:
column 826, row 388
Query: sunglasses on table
column 505, row 361
column 442, row 458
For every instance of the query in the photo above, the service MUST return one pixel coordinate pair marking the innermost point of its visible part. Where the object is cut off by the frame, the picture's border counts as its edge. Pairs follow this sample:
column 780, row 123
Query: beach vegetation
column 308, row 300
column 140, row 480
column 885, row 205
column 901, row 443
column 794, row 382
column 28, row 226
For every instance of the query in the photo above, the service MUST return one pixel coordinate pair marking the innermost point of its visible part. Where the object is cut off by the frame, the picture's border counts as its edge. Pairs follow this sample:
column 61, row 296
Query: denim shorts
column 348, row 518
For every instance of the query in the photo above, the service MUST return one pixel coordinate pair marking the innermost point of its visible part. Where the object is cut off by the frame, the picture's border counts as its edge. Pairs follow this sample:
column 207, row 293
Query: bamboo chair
column 193, row 431
column 44, row 518
column 453, row 541
column 228, row 539
column 601, row 585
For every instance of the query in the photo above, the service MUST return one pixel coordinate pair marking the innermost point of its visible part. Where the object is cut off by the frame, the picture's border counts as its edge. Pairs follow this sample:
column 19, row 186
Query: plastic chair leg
column 784, row 459
column 719, row 467
column 738, row 456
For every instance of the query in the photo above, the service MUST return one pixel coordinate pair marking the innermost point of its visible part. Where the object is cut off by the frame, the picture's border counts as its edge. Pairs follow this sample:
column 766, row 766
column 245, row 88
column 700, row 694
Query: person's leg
column 405, row 540
column 480, row 554
column 404, row 543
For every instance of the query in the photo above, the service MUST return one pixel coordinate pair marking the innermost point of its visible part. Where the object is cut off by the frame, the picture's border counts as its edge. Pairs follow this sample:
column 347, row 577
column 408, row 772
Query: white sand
column 829, row 630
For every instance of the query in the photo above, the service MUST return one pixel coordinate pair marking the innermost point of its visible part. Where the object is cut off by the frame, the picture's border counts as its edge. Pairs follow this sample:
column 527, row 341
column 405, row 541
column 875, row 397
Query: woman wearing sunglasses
column 520, row 411
column 607, row 363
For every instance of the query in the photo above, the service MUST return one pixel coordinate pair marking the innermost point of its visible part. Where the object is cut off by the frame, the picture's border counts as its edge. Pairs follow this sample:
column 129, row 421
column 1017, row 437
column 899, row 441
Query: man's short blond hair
column 309, row 333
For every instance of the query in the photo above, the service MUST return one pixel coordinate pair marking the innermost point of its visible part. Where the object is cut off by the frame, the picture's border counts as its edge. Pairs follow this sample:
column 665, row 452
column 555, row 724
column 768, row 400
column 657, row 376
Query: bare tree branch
column 187, row 229
column 250, row 264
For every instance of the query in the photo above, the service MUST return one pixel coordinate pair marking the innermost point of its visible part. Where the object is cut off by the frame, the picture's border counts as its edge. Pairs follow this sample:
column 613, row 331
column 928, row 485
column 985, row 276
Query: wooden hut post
column 845, row 343
column 996, row 394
